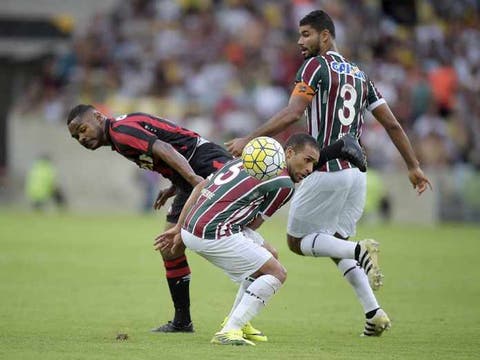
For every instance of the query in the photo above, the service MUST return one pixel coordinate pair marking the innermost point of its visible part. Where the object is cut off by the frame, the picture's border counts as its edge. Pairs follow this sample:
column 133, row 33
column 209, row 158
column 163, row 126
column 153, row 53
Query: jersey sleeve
column 274, row 200
column 308, row 77
column 133, row 136
column 374, row 98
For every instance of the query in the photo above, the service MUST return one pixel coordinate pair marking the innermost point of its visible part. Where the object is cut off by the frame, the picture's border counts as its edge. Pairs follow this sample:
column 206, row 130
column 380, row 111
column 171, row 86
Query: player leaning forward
column 334, row 93
column 219, row 220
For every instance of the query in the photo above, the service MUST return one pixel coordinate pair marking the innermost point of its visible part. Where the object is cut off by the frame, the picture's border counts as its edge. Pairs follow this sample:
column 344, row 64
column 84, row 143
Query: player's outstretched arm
column 384, row 115
column 279, row 122
column 164, row 151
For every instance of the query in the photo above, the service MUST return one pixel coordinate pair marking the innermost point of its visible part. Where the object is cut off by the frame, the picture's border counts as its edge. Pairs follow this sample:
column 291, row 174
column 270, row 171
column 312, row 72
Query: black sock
column 371, row 314
column 178, row 277
column 330, row 152
column 357, row 252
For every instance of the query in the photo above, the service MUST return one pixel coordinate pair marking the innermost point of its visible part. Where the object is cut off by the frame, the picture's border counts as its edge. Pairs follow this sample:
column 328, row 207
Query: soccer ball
column 263, row 158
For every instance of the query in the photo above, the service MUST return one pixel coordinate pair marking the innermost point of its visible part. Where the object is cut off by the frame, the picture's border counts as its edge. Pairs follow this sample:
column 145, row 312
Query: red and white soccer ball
column 263, row 158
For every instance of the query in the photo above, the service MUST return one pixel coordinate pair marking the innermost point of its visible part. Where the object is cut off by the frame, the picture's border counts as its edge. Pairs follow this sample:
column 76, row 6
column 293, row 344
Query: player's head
column 317, row 34
column 86, row 124
column 301, row 155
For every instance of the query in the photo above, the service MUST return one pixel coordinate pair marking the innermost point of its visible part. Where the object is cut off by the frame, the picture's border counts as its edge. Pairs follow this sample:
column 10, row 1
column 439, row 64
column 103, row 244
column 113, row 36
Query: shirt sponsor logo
column 349, row 69
column 150, row 128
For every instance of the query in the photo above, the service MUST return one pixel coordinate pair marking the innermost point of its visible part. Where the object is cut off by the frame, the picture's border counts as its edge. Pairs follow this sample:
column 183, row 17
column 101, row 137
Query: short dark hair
column 319, row 20
column 78, row 110
column 298, row 142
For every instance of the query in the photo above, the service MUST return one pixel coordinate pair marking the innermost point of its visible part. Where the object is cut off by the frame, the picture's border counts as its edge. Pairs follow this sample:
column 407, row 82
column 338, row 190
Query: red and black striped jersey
column 341, row 93
column 232, row 199
column 133, row 136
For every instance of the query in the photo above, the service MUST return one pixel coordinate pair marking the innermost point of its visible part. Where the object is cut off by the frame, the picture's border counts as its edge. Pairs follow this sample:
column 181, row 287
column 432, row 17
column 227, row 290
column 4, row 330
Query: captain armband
column 304, row 90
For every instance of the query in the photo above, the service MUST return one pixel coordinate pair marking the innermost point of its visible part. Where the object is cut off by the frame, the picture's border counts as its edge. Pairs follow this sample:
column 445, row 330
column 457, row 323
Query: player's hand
column 163, row 196
column 418, row 179
column 177, row 243
column 170, row 239
column 235, row 146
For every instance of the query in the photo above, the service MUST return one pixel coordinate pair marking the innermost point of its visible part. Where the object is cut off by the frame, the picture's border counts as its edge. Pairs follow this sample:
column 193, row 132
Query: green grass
column 69, row 284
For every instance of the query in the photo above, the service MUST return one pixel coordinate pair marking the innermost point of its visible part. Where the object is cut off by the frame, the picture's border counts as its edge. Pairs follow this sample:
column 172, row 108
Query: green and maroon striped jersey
column 342, row 93
column 232, row 199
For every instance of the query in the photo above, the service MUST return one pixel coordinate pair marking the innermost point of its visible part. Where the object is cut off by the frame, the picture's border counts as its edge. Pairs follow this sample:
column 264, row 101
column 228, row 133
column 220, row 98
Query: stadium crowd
column 223, row 67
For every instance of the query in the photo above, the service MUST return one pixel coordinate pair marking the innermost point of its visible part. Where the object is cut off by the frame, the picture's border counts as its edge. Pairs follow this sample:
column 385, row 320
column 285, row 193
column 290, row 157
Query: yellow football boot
column 232, row 337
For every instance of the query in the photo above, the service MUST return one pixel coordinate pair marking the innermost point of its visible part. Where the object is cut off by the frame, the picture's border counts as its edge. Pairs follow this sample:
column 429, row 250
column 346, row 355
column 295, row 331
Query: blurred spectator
column 443, row 80
column 433, row 145
column 377, row 203
column 42, row 186
column 420, row 91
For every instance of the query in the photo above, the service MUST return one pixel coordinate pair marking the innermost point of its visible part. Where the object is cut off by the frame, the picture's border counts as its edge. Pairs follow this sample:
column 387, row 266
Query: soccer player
column 183, row 157
column 178, row 154
column 334, row 93
column 218, row 222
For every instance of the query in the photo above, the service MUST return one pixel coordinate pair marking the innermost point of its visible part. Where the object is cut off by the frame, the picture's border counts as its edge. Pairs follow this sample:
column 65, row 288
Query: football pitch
column 69, row 284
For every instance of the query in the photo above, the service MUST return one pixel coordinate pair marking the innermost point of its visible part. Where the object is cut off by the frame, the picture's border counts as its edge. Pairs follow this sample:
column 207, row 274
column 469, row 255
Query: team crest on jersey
column 349, row 69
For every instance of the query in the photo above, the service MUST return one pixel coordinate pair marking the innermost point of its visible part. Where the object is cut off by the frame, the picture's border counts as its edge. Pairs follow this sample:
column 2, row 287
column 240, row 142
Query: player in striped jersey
column 334, row 93
column 219, row 220
column 179, row 154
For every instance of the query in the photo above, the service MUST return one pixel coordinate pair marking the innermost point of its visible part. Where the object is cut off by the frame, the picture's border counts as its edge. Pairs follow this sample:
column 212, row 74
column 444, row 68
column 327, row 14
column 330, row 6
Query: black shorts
column 207, row 159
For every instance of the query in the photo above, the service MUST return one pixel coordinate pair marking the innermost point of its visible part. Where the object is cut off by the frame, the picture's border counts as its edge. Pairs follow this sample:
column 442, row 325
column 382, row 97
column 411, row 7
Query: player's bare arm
column 163, row 196
column 395, row 131
column 279, row 122
column 171, row 238
column 256, row 223
column 167, row 153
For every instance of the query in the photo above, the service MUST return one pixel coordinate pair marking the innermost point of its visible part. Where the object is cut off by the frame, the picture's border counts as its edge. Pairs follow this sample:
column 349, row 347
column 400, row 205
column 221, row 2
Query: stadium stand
column 222, row 67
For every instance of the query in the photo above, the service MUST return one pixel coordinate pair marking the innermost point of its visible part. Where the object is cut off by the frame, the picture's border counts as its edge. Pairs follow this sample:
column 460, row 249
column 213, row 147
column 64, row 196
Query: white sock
column 241, row 291
column 357, row 278
column 255, row 298
column 319, row 244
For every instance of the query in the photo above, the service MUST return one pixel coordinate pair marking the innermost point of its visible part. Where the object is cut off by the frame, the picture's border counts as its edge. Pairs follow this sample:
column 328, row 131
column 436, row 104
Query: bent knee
column 271, row 249
column 294, row 244
column 278, row 270
column 281, row 274
column 274, row 252
column 168, row 255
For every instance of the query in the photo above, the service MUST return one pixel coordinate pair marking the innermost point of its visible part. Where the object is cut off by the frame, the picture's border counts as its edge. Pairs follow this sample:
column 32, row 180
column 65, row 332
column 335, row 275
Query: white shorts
column 239, row 255
column 328, row 202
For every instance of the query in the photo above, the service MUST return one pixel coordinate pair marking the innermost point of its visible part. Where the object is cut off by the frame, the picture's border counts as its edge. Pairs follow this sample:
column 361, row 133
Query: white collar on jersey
column 335, row 53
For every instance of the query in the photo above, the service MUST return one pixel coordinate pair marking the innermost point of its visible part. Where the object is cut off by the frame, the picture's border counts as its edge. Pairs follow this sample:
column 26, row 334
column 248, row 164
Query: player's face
column 301, row 163
column 87, row 130
column 312, row 42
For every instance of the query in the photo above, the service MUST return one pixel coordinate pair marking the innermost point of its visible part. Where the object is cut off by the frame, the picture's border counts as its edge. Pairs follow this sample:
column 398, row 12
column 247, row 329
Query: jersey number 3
column 347, row 113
